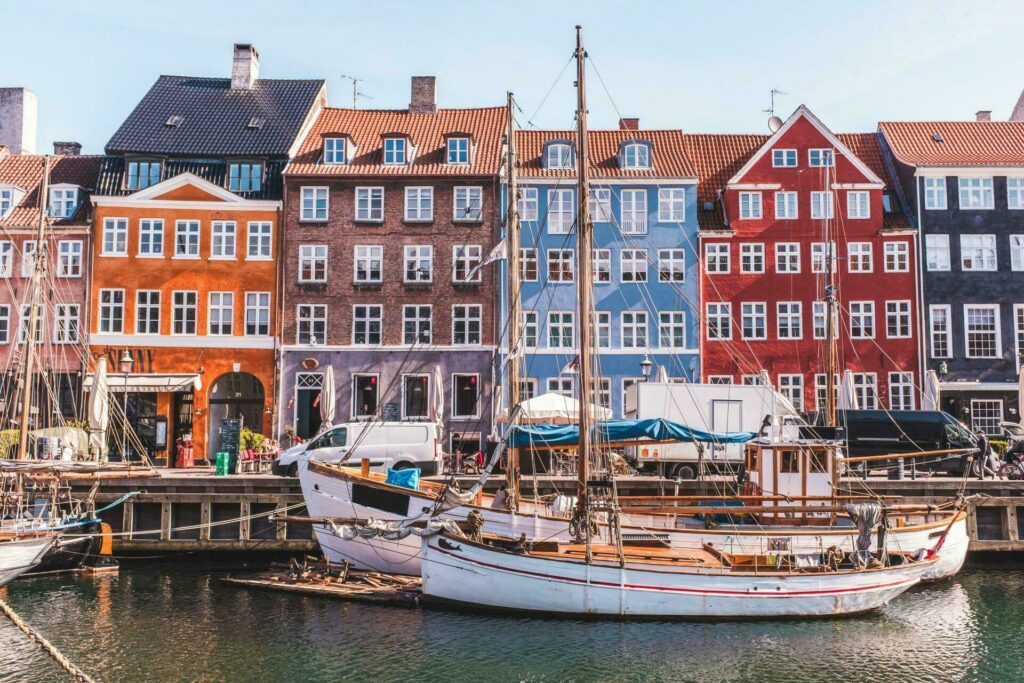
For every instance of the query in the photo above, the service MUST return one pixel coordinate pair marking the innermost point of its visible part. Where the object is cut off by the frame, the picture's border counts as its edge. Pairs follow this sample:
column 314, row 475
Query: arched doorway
column 237, row 395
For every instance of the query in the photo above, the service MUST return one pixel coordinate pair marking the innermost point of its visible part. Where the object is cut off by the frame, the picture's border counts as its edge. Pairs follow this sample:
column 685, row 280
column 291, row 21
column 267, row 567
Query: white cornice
column 183, row 341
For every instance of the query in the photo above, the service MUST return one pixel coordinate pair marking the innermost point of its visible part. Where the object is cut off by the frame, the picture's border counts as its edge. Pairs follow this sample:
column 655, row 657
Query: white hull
column 327, row 495
column 18, row 555
column 464, row 573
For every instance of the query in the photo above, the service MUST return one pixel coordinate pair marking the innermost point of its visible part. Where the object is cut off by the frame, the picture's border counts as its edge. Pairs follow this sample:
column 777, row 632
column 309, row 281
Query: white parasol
column 99, row 409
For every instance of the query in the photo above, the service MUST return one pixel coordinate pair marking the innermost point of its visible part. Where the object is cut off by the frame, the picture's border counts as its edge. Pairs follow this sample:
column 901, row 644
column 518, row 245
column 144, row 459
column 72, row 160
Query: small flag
column 572, row 367
column 498, row 253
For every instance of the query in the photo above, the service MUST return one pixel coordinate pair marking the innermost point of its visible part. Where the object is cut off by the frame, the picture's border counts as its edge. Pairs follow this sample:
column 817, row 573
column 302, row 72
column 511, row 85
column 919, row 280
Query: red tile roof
column 719, row 157
column 964, row 143
column 669, row 155
column 25, row 171
column 428, row 133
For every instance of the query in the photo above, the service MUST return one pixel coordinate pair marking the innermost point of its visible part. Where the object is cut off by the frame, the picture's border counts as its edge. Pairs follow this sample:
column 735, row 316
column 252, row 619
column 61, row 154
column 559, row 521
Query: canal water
column 184, row 625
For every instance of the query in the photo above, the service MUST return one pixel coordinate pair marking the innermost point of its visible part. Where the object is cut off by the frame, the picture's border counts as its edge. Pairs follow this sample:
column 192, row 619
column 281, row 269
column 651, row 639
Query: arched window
column 636, row 155
column 558, row 155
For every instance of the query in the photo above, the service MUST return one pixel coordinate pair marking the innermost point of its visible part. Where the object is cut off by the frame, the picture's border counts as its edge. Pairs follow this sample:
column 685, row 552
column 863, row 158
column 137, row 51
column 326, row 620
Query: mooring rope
column 76, row 674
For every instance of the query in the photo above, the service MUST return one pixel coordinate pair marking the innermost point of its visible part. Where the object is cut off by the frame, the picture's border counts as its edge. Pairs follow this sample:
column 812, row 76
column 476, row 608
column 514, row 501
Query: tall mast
column 33, row 318
column 584, row 241
column 512, row 242
column 830, row 313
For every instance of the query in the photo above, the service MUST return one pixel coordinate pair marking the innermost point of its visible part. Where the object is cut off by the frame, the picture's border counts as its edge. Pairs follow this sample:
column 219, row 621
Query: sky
column 702, row 67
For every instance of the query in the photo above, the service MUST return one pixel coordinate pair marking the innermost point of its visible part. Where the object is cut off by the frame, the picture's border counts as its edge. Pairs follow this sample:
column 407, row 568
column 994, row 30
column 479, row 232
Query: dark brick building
column 387, row 212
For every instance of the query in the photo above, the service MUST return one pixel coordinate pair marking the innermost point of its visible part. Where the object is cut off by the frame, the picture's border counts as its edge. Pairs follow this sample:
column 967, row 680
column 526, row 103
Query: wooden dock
column 193, row 510
column 323, row 580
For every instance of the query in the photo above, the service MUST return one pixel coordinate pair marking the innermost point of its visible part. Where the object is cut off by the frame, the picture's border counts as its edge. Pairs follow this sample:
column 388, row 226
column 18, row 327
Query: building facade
column 963, row 182
column 770, row 206
column 60, row 344
column 388, row 213
column 643, row 206
column 187, row 229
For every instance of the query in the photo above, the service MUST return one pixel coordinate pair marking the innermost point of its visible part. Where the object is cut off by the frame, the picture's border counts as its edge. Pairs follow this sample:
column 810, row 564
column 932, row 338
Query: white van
column 394, row 445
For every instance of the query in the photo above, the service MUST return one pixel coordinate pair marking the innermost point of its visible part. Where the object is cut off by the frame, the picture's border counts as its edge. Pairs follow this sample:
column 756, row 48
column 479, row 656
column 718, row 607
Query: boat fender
column 106, row 540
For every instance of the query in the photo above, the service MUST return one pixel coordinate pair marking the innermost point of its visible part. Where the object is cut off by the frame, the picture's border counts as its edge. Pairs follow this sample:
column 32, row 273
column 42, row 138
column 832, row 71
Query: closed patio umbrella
column 662, row 375
column 847, row 393
column 930, row 399
column 99, row 409
column 438, row 395
column 328, row 396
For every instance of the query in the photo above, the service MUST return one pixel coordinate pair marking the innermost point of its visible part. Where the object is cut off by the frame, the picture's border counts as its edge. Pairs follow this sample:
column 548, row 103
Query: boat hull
column 471, row 574
column 20, row 554
column 329, row 493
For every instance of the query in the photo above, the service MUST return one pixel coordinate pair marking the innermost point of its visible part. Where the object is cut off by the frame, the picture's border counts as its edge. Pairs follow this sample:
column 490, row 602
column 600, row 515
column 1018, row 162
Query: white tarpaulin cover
column 557, row 408
column 99, row 409
column 930, row 400
column 847, row 393
column 328, row 398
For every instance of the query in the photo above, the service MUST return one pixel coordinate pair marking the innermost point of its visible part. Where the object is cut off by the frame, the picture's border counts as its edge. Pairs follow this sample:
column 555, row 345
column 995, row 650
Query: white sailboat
column 21, row 552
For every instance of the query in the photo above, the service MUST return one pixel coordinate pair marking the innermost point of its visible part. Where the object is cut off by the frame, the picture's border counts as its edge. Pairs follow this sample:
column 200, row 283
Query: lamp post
column 645, row 367
column 126, row 366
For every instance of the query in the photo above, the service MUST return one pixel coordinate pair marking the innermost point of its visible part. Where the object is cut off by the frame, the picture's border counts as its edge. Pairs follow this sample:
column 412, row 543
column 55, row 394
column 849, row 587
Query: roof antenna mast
column 355, row 90
column 774, row 122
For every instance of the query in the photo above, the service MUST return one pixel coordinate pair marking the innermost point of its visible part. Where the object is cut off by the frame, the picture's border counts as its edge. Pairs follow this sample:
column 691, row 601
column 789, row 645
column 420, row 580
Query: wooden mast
column 831, row 356
column 584, row 241
column 512, row 241
column 33, row 317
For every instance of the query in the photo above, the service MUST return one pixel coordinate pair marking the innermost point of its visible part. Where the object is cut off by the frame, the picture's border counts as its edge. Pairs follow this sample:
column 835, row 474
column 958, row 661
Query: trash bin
column 232, row 462
column 222, row 464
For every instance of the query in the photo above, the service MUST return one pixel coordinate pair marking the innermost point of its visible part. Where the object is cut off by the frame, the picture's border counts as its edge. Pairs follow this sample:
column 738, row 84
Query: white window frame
column 896, row 256
column 858, row 204
column 418, row 254
column 369, row 204
column 310, row 199
column 529, row 264
column 632, row 325
column 976, row 193
column 935, row 194
column 316, row 256
column 1016, row 252
column 976, row 409
column 69, row 258
column 364, row 255
column 791, row 385
column 936, row 333
column 183, row 308
column 985, row 249
column 223, row 241
column 821, row 157
column 466, row 257
column 789, row 320
column 750, row 206
column 6, row 258
column 787, row 257
column 529, row 204
column 395, row 151
column 257, row 314
column 818, row 206
column 62, row 202
column 192, row 232
column 633, row 211
column 370, row 318
column 309, row 315
column 821, row 252
column 259, row 234
column 469, row 315
column 717, row 313
column 561, row 257
column 864, row 313
column 860, row 257
column 786, row 206
column 67, row 323
column 467, row 194
column 937, row 253
column 558, row 155
column 754, row 311
column 865, row 388
column 419, row 325
column 561, row 211
column 151, row 238
column 901, row 384
column 602, row 266
column 672, row 205
column 28, row 257
column 335, row 151
column 994, row 308
column 419, row 204
column 458, row 150
column 148, row 302
column 900, row 311
column 105, row 317
column 220, row 314
column 784, row 158
column 530, row 324
column 672, row 325
column 1015, row 193
column 562, row 321
column 633, row 266
column 5, row 323
column 717, row 258
column 752, row 253
column 115, row 237
column 636, row 155
column 672, row 265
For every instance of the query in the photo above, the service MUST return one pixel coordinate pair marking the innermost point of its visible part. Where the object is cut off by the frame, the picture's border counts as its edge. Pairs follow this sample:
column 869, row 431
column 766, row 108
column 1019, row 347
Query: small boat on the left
column 21, row 551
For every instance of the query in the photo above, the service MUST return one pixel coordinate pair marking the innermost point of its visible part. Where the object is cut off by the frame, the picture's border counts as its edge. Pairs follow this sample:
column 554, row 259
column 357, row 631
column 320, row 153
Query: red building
column 767, row 204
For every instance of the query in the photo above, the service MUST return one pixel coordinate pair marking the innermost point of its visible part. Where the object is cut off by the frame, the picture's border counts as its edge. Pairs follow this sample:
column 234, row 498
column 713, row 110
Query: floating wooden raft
column 339, row 582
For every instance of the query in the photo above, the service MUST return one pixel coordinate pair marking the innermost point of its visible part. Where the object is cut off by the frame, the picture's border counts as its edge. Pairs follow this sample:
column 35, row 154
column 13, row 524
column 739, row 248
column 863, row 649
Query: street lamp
column 126, row 366
column 645, row 367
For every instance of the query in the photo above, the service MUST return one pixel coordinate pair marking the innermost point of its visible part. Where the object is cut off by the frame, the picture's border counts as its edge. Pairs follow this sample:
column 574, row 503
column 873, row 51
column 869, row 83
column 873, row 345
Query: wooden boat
column 20, row 552
column 653, row 583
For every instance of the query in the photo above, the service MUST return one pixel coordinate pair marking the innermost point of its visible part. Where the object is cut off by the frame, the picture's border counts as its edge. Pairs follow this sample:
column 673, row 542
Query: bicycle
column 1013, row 470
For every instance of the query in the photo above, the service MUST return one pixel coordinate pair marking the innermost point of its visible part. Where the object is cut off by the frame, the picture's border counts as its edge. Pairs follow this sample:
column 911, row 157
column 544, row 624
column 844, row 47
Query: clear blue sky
column 704, row 67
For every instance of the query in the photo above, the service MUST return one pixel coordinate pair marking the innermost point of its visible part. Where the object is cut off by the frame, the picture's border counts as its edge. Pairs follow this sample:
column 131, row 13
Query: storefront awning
column 149, row 382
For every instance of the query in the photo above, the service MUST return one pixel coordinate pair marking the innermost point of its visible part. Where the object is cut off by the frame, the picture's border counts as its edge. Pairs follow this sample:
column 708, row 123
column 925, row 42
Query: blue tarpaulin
column 553, row 436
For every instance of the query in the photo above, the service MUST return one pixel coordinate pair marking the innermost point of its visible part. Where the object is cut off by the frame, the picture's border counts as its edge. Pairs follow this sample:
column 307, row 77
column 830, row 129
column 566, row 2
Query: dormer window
column 7, row 201
column 636, row 155
column 334, row 151
column 142, row 174
column 558, row 155
column 63, row 202
column 458, row 150
column 245, row 176
column 394, row 151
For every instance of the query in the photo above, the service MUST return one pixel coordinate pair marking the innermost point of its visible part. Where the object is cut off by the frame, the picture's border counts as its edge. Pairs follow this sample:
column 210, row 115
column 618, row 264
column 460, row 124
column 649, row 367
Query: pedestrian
column 984, row 462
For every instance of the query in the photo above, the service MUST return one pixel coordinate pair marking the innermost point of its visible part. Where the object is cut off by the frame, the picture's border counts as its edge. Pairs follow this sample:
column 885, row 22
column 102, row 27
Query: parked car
column 1012, row 432
column 387, row 445
column 879, row 432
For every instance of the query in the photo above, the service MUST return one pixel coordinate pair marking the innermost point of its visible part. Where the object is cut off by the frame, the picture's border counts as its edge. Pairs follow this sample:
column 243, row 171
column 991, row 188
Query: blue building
column 643, row 204
column 963, row 182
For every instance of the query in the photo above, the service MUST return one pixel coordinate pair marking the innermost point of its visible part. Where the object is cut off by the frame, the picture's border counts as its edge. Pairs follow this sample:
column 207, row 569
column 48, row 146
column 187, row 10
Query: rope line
column 45, row 645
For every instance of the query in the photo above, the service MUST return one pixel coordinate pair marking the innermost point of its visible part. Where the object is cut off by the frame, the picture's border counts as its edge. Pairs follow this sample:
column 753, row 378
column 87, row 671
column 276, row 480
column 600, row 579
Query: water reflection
column 188, row 626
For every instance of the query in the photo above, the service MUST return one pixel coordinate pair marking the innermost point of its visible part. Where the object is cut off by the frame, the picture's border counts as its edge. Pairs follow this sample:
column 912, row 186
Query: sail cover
column 657, row 429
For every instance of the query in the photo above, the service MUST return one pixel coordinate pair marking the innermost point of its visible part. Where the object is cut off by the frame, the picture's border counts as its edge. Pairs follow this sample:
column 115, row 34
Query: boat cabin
column 792, row 474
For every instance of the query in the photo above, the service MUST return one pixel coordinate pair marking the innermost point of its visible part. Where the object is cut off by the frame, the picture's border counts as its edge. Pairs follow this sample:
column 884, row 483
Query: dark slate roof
column 215, row 118
column 111, row 179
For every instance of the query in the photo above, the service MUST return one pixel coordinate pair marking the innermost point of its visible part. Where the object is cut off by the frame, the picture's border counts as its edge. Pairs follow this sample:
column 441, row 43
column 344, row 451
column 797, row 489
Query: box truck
column 713, row 407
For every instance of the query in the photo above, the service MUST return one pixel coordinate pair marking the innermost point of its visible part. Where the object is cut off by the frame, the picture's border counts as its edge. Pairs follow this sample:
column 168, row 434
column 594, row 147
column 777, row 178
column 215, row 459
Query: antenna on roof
column 355, row 90
column 771, row 109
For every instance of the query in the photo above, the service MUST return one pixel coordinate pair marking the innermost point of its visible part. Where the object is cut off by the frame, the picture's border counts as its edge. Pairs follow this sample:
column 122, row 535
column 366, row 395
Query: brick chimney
column 1018, row 109
column 68, row 148
column 629, row 124
column 245, row 68
column 18, row 120
column 424, row 95
column 983, row 115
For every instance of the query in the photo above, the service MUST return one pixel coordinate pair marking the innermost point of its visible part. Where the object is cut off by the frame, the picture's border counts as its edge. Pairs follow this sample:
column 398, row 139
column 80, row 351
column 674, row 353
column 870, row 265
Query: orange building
column 186, row 228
